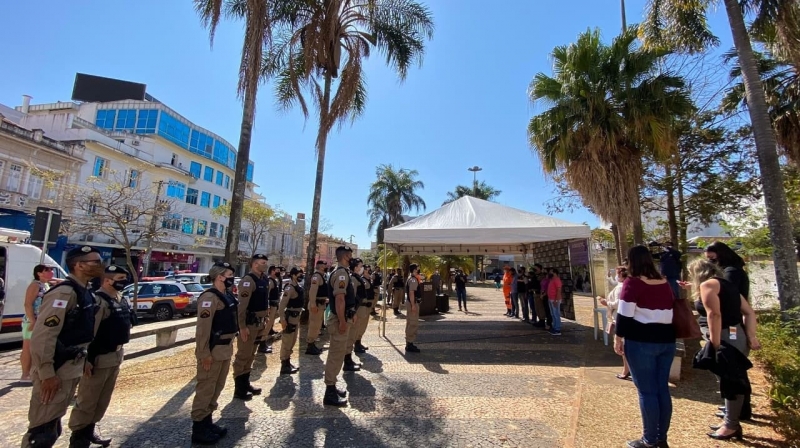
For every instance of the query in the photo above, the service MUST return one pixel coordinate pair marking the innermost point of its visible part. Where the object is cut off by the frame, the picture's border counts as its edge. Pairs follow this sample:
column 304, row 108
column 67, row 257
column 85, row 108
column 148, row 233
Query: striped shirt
column 644, row 313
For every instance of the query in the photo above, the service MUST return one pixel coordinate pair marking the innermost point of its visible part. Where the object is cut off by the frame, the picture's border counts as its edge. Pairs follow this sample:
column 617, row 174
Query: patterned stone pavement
column 481, row 380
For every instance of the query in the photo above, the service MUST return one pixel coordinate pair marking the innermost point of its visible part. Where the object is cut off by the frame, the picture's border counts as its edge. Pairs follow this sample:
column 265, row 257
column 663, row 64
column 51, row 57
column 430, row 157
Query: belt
column 223, row 342
column 366, row 304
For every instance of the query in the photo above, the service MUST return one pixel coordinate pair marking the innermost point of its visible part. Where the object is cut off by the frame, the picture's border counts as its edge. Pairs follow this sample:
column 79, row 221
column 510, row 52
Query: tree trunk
column 671, row 218
column 322, row 142
column 240, row 177
column 638, row 227
column 777, row 207
column 134, row 277
column 617, row 243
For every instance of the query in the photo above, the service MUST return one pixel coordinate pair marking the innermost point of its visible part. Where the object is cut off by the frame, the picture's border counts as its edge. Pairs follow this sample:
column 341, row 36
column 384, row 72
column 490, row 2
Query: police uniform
column 412, row 317
column 317, row 301
column 217, row 325
column 338, row 284
column 274, row 298
column 366, row 294
column 105, row 355
column 397, row 292
column 292, row 306
column 63, row 330
column 253, row 306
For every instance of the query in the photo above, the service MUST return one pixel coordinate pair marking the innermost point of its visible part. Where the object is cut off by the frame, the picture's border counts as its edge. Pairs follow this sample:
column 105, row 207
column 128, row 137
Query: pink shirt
column 553, row 287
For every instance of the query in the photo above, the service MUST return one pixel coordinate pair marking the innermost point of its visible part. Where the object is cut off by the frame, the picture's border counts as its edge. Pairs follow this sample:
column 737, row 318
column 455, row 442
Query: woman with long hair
column 645, row 335
column 42, row 274
column 726, row 310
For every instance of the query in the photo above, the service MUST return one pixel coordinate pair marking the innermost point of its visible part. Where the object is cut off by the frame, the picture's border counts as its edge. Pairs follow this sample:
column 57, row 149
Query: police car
column 163, row 299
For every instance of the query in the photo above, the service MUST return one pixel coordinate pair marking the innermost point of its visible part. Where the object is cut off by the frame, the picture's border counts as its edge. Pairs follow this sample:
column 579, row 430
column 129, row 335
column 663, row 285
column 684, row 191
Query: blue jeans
column 515, row 304
column 523, row 304
column 673, row 283
column 650, row 364
column 462, row 295
column 555, row 310
column 532, row 305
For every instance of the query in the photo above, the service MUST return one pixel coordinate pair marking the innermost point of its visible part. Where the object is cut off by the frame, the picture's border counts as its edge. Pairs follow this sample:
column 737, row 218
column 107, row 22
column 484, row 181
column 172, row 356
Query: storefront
column 162, row 263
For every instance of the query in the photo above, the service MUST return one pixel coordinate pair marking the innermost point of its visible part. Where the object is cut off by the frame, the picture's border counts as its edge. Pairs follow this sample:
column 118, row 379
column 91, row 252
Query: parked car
column 163, row 299
column 191, row 277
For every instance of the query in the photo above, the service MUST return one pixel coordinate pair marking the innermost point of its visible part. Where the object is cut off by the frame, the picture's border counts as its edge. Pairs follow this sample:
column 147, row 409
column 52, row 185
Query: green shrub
column 780, row 356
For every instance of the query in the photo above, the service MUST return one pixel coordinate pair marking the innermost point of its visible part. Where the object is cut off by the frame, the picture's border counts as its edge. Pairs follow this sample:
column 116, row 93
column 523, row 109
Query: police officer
column 63, row 330
column 292, row 306
column 274, row 298
column 217, row 325
column 398, row 286
column 103, row 359
column 361, row 285
column 317, row 301
column 342, row 316
column 368, row 304
column 414, row 292
column 253, row 305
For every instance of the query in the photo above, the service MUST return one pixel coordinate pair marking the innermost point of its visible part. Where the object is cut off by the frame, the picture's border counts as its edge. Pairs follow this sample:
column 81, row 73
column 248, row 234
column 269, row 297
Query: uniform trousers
column 289, row 339
column 337, row 349
column 94, row 392
column 359, row 328
column 412, row 322
column 210, row 383
column 272, row 316
column 40, row 414
column 315, row 323
column 246, row 350
column 397, row 298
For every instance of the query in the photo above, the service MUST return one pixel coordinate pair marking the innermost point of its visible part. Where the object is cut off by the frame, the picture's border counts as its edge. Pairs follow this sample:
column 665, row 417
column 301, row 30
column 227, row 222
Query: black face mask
column 301, row 278
column 715, row 261
column 120, row 285
column 229, row 282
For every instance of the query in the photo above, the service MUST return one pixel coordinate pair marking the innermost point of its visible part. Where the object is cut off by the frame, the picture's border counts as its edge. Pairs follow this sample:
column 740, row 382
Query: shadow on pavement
column 152, row 431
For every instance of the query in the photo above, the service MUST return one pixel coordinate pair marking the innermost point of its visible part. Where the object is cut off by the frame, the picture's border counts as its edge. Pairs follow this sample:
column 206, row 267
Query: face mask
column 715, row 261
column 359, row 270
column 119, row 286
column 229, row 282
column 619, row 280
column 301, row 278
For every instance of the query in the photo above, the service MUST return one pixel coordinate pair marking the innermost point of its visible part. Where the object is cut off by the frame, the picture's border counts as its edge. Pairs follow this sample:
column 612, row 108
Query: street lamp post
column 475, row 170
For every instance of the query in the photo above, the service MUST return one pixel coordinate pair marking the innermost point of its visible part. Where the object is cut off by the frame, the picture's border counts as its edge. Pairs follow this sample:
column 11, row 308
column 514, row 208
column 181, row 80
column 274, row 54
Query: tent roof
column 473, row 226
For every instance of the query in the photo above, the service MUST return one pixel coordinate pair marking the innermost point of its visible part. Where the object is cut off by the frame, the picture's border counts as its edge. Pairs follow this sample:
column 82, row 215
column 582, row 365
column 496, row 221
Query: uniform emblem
column 59, row 304
column 342, row 285
column 245, row 295
column 341, row 277
column 245, row 284
column 52, row 321
column 206, row 305
column 287, row 288
column 205, row 313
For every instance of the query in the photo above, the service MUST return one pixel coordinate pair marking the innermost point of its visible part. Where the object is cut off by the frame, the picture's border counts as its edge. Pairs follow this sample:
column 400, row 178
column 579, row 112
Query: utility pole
column 475, row 170
column 624, row 21
column 152, row 231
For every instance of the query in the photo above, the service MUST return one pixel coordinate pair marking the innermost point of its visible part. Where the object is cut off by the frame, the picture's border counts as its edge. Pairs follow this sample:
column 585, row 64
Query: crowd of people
column 76, row 332
column 642, row 308
column 534, row 295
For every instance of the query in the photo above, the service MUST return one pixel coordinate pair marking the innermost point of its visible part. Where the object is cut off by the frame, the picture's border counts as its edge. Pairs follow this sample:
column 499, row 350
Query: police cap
column 116, row 270
column 223, row 264
column 81, row 251
column 294, row 271
column 343, row 249
column 260, row 257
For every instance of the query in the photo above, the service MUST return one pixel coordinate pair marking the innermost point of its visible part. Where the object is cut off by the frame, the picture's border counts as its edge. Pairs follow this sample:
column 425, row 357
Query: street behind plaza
column 481, row 380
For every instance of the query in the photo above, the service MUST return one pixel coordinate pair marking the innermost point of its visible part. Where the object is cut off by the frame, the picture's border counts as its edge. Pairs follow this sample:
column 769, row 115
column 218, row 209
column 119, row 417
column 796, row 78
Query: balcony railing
column 35, row 137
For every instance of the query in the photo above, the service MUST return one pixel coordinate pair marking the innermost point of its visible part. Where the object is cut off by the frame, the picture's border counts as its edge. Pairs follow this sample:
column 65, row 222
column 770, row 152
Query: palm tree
column 683, row 25
column 393, row 194
column 609, row 106
column 480, row 190
column 320, row 48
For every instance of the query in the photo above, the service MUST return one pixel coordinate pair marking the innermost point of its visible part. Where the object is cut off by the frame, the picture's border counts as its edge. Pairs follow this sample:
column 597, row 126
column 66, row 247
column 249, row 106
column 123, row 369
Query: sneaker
column 555, row 333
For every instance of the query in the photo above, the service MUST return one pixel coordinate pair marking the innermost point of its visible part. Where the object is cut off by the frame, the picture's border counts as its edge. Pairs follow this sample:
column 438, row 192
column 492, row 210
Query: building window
column 220, row 153
column 231, row 159
column 105, row 118
column 205, row 199
column 221, row 231
column 100, row 167
column 191, row 196
column 14, row 177
column 176, row 190
column 173, row 130
column 171, row 222
column 208, row 174
column 212, row 230
column 220, row 178
column 201, row 227
column 227, row 182
column 250, row 172
column 194, row 169
column 127, row 213
column 188, row 225
column 224, row 202
column 35, row 184
column 126, row 120
column 133, row 178
column 201, row 144
column 146, row 122
column 216, row 201
column 244, row 236
column 91, row 207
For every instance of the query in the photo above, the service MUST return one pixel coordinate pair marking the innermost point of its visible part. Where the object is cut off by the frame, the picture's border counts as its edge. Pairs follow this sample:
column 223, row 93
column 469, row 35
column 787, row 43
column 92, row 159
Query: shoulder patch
column 245, row 284
column 342, row 285
column 204, row 314
column 314, row 279
column 59, row 304
column 52, row 321
column 341, row 277
column 244, row 295
column 206, row 304
column 287, row 287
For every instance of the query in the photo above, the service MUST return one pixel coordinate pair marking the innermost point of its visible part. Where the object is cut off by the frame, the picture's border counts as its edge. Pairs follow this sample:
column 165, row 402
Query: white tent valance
column 471, row 226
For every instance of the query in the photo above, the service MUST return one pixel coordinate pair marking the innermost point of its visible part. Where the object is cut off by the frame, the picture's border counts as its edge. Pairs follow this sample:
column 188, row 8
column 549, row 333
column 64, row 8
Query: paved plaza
column 482, row 380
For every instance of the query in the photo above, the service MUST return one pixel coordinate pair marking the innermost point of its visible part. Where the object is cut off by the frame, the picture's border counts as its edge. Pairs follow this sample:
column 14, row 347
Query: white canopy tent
column 471, row 226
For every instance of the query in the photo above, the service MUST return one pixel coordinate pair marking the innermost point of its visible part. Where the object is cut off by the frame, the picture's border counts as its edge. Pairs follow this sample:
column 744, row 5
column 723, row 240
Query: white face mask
column 360, row 270
column 619, row 280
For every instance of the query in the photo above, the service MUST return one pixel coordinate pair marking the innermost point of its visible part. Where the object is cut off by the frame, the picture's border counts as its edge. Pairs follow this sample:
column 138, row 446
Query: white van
column 17, row 261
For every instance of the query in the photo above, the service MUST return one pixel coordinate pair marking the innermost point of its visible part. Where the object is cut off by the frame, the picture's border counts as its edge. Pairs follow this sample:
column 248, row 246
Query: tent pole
column 382, row 326
column 592, row 281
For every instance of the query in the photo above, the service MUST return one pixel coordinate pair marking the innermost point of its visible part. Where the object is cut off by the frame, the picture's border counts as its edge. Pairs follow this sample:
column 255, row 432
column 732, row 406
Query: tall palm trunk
column 638, row 226
column 771, row 179
column 671, row 212
column 617, row 243
column 240, row 177
column 322, row 142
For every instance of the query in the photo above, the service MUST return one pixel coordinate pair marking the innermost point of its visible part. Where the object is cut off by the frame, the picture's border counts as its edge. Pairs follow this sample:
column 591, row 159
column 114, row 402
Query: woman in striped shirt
column 645, row 335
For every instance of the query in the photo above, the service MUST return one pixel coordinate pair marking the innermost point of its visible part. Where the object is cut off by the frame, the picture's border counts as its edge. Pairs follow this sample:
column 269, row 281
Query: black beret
column 81, row 251
column 260, row 257
column 344, row 248
column 116, row 270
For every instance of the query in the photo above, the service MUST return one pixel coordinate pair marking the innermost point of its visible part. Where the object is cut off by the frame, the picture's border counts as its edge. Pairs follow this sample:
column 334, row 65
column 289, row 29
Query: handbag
column 686, row 326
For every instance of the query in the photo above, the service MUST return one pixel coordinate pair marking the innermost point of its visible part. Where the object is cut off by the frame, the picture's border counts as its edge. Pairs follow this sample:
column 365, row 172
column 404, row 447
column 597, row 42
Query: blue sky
column 466, row 106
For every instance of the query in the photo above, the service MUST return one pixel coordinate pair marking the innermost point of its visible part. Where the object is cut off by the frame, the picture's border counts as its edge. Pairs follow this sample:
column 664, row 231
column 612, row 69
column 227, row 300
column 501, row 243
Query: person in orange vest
column 508, row 278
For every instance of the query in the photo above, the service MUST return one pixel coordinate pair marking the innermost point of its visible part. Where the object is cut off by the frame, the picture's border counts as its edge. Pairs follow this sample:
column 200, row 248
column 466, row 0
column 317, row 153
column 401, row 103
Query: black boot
column 202, row 434
column 332, row 397
column 240, row 388
column 313, row 349
column 341, row 392
column 287, row 368
column 359, row 347
column 410, row 347
column 79, row 439
column 263, row 347
column 216, row 429
column 350, row 365
column 95, row 438
column 250, row 388
column 397, row 312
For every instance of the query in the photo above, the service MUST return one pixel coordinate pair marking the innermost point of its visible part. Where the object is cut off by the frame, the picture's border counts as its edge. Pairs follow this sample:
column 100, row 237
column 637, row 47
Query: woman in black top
column 730, row 319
